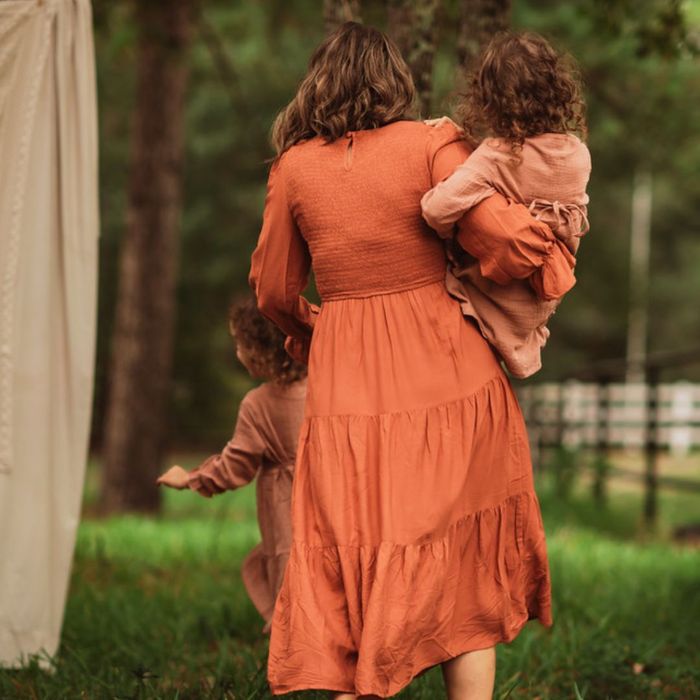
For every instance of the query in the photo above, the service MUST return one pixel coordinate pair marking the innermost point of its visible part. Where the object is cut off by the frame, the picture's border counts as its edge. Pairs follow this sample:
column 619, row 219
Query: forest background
column 234, row 65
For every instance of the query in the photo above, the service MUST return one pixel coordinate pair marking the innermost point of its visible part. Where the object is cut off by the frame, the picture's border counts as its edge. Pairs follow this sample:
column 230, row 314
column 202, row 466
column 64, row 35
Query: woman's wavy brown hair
column 357, row 79
column 521, row 88
column 265, row 343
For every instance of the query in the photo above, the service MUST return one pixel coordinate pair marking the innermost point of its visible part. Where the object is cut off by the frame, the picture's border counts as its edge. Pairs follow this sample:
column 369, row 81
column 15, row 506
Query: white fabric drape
column 48, row 274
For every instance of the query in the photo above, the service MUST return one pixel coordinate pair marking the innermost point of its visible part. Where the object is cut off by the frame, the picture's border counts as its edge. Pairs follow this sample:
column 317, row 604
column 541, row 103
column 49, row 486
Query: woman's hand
column 176, row 478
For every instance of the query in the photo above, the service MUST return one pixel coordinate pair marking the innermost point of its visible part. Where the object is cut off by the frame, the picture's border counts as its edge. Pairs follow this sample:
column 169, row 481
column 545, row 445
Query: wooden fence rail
column 588, row 414
column 595, row 409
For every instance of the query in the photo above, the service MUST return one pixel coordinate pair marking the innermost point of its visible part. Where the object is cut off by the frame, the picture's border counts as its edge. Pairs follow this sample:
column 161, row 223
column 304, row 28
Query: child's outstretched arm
column 449, row 199
column 235, row 466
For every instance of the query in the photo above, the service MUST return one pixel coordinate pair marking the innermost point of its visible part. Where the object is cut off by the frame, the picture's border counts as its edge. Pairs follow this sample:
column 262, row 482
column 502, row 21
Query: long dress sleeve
column 280, row 269
column 505, row 238
column 509, row 247
column 238, row 463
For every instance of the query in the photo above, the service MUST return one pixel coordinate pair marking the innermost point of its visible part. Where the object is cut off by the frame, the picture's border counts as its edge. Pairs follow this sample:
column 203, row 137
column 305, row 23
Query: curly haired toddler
column 263, row 446
column 527, row 98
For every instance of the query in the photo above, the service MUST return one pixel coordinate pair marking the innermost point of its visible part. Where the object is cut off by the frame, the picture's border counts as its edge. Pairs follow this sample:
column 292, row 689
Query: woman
column 417, row 536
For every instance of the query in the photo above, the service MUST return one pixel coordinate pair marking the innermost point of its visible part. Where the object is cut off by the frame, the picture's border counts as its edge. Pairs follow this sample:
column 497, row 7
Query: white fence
column 582, row 414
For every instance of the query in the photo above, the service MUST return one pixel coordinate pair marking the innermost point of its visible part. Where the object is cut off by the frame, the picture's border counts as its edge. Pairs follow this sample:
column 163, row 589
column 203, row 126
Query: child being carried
column 528, row 100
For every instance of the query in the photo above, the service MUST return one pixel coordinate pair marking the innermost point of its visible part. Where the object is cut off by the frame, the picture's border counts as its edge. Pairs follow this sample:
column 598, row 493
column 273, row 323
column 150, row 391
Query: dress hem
column 544, row 619
column 535, row 604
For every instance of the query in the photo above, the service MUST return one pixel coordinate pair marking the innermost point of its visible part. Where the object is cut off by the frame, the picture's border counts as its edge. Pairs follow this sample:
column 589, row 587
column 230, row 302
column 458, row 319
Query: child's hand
column 176, row 478
column 441, row 121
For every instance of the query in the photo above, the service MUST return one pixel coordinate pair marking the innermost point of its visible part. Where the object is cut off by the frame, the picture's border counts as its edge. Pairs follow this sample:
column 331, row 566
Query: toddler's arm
column 468, row 185
column 232, row 468
column 235, row 466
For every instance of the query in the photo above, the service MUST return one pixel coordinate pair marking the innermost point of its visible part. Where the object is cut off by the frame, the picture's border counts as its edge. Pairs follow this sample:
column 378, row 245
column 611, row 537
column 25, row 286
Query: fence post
column 601, row 467
column 651, row 447
column 538, row 443
column 560, row 425
column 526, row 402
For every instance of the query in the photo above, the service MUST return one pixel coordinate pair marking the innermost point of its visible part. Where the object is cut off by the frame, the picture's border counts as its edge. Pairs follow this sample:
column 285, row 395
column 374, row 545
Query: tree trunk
column 479, row 21
column 640, row 256
column 414, row 28
column 335, row 12
column 142, row 345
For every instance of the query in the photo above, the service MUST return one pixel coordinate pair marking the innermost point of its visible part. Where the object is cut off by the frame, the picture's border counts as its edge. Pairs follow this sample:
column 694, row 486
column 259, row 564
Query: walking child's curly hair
column 522, row 88
column 265, row 343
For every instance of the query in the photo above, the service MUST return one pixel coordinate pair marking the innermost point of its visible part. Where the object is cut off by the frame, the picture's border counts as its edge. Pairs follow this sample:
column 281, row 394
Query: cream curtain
column 48, row 274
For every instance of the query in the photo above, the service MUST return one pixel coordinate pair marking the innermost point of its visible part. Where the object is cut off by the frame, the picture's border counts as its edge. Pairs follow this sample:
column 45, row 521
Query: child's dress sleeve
column 280, row 269
column 238, row 463
column 503, row 236
column 469, row 184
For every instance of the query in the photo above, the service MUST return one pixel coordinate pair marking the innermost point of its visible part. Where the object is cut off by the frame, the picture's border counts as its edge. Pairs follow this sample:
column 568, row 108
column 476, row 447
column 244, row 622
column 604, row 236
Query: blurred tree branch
column 221, row 60
column 335, row 12
column 479, row 20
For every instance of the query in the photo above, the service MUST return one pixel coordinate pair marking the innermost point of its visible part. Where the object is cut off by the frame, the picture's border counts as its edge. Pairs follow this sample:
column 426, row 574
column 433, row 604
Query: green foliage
column 265, row 49
column 658, row 27
column 157, row 610
column 643, row 91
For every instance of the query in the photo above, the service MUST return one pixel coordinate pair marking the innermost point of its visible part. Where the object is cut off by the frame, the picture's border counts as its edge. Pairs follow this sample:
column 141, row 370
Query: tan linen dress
column 549, row 175
column 263, row 446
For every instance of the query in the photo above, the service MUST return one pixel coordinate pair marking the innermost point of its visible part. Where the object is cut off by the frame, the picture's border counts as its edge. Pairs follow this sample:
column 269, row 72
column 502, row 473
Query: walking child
column 263, row 447
column 527, row 99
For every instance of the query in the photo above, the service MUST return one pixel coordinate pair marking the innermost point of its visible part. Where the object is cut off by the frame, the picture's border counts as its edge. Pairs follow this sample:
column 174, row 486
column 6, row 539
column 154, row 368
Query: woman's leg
column 467, row 677
column 471, row 675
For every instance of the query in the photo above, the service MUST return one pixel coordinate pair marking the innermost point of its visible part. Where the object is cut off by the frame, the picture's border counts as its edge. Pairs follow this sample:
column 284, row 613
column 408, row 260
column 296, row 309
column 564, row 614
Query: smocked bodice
column 356, row 203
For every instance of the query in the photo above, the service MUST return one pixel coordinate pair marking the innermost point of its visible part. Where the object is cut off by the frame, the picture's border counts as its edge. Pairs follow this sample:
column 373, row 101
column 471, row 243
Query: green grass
column 156, row 609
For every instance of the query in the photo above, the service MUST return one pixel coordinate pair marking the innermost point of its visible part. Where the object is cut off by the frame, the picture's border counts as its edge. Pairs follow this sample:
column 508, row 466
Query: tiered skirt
column 417, row 534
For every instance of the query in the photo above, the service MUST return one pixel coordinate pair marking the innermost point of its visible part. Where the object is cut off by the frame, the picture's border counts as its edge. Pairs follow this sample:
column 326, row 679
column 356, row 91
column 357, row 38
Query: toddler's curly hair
column 520, row 88
column 265, row 342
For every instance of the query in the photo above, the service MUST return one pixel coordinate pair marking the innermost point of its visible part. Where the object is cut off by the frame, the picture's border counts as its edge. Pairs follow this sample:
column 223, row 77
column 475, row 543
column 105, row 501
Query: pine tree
column 142, row 344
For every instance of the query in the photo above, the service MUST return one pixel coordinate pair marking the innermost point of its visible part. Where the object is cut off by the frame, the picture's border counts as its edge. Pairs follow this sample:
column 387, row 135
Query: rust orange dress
column 417, row 534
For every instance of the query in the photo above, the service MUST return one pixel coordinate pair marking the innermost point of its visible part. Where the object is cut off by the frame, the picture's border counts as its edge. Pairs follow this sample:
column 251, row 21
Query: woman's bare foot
column 471, row 675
